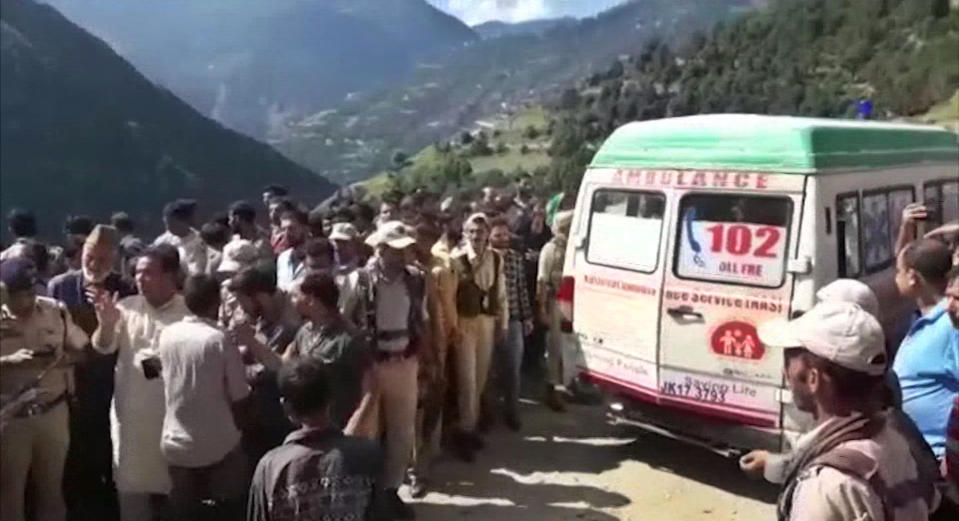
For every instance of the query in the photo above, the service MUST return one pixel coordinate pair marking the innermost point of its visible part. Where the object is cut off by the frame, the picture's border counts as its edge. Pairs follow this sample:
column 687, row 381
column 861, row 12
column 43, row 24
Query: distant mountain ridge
column 497, row 29
column 450, row 93
column 82, row 132
column 253, row 65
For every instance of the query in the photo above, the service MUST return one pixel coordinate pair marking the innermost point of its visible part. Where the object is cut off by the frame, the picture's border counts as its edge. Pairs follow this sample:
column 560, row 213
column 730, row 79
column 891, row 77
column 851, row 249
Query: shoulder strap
column 368, row 291
column 854, row 462
column 465, row 265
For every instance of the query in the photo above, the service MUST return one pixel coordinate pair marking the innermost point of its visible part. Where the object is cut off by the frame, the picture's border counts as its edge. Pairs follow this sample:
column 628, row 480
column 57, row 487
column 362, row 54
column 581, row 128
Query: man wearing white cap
column 853, row 464
column 548, row 278
column 238, row 254
column 344, row 237
column 386, row 300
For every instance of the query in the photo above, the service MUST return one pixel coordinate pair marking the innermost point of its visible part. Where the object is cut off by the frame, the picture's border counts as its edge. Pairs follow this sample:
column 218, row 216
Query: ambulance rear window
column 625, row 227
column 733, row 239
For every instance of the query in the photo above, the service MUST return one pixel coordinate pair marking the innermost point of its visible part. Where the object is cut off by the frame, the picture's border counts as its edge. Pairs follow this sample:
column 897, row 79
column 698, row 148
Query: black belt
column 392, row 334
column 36, row 409
column 393, row 356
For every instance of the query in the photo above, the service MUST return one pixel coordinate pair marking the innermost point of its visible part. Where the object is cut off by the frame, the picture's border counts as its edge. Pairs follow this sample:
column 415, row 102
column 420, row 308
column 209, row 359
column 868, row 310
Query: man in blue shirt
column 927, row 363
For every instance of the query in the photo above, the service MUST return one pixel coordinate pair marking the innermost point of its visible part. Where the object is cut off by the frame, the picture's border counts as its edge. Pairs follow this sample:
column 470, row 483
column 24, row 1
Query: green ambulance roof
column 773, row 144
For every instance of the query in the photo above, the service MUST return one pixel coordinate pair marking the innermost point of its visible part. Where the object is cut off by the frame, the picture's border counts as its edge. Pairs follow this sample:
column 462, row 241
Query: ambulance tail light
column 564, row 299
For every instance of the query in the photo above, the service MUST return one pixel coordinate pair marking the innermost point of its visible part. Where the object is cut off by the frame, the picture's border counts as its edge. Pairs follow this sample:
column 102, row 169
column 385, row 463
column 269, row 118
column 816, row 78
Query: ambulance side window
column 881, row 216
column 734, row 239
column 625, row 229
column 876, row 246
column 847, row 227
column 942, row 200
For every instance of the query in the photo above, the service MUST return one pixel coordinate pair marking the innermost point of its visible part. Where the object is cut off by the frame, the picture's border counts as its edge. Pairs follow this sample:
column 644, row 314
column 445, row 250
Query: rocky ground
column 576, row 466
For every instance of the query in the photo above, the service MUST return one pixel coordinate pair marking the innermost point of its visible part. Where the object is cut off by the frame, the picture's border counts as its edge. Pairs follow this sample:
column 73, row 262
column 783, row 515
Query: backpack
column 471, row 301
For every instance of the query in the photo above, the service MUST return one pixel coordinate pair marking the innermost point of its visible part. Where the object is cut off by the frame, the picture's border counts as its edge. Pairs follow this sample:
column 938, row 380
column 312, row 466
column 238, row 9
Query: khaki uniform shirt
column 50, row 329
column 445, row 279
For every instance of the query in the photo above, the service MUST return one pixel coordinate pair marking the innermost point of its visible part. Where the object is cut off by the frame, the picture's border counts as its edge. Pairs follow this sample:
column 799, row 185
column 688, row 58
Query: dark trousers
column 215, row 491
column 88, row 488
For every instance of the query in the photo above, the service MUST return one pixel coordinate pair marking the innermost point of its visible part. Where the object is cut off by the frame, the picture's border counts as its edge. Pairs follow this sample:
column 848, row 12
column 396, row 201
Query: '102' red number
column 738, row 239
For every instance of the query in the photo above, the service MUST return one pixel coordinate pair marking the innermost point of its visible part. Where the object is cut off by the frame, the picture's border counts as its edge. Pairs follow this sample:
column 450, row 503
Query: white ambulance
column 689, row 232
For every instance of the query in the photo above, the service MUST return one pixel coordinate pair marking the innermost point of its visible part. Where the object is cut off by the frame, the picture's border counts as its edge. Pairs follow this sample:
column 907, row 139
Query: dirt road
column 575, row 466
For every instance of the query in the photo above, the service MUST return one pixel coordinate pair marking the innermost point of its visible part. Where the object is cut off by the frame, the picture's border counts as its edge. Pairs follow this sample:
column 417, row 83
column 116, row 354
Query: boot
column 397, row 507
column 462, row 446
column 417, row 484
column 511, row 419
column 554, row 400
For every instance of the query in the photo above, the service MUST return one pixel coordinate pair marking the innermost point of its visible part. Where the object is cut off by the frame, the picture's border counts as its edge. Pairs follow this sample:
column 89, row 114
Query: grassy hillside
column 518, row 144
column 448, row 94
column 945, row 113
column 797, row 57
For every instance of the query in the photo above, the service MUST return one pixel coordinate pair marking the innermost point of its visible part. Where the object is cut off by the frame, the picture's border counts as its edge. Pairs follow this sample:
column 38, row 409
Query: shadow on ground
column 550, row 470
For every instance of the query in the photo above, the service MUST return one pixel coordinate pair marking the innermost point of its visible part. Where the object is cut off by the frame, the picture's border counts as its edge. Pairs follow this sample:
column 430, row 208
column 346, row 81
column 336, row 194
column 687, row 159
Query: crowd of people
column 885, row 443
column 308, row 366
column 302, row 367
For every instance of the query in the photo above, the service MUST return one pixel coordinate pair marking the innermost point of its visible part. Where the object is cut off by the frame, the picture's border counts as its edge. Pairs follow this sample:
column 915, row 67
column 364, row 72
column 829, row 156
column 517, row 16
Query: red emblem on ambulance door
column 737, row 339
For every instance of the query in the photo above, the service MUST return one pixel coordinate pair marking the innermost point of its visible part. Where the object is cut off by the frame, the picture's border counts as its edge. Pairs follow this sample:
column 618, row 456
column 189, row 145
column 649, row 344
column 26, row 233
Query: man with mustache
column 89, row 489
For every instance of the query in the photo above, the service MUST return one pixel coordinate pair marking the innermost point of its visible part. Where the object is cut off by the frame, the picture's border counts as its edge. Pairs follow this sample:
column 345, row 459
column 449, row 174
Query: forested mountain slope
column 82, row 132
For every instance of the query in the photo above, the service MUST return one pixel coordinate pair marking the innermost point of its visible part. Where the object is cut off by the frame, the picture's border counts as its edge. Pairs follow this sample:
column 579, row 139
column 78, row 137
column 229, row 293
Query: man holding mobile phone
column 131, row 327
column 35, row 333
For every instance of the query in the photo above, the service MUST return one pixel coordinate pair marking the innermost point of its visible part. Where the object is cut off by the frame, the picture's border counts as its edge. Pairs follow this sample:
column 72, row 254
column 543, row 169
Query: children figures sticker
column 740, row 252
column 737, row 339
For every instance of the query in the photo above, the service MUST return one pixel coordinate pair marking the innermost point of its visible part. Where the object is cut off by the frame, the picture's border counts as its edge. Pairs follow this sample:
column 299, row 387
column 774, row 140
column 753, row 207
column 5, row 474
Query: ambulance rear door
column 727, row 273
column 618, row 262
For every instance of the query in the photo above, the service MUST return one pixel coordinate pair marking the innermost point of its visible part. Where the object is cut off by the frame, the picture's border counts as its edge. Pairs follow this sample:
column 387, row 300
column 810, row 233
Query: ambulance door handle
column 683, row 311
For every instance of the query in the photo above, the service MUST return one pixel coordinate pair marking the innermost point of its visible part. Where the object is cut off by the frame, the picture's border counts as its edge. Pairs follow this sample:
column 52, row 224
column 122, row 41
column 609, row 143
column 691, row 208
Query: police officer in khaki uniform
column 35, row 336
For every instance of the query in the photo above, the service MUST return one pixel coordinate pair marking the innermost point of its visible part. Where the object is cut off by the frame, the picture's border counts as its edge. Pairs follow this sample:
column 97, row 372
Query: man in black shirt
column 318, row 473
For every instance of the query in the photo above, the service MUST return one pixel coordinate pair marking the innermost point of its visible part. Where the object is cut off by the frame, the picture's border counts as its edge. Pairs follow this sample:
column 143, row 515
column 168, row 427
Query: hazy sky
column 478, row 11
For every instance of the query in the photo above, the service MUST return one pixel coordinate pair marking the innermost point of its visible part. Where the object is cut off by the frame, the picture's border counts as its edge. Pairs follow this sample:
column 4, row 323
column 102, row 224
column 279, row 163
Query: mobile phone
column 151, row 368
column 44, row 352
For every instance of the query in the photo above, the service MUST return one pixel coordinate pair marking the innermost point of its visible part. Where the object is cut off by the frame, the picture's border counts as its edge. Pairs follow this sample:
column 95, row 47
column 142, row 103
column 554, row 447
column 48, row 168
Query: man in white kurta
column 131, row 327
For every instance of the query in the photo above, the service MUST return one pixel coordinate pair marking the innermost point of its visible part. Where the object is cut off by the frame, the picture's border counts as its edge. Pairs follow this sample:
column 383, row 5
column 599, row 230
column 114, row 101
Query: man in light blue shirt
column 289, row 263
column 927, row 363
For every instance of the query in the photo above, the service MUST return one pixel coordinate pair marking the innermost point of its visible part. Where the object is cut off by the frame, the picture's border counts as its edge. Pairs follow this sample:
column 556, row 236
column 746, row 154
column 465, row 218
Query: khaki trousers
column 554, row 348
column 472, row 357
column 35, row 446
column 390, row 407
column 429, row 416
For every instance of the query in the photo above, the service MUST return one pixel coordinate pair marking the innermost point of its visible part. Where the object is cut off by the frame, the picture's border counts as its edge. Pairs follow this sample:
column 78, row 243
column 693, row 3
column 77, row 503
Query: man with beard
column 131, row 328
column 483, row 317
column 441, row 304
column 509, row 354
column 88, row 483
column 181, row 233
column 289, row 263
column 271, row 325
column 853, row 464
column 243, row 225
